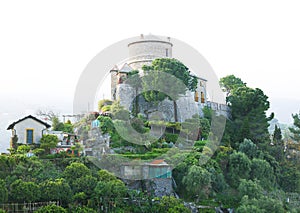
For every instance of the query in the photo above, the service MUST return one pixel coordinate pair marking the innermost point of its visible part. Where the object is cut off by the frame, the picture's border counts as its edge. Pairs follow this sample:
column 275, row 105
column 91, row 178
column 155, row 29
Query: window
column 29, row 136
column 196, row 96
column 202, row 98
column 167, row 52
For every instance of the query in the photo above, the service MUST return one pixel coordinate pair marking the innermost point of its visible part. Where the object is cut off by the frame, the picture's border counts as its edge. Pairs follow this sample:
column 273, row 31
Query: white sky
column 45, row 45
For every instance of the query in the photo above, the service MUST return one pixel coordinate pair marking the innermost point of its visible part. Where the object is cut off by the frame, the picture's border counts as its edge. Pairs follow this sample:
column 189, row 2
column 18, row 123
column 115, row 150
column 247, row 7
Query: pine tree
column 295, row 130
column 277, row 136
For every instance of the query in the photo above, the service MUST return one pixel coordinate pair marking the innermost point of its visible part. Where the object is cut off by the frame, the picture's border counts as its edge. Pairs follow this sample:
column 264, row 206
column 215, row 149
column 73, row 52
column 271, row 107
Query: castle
column 142, row 52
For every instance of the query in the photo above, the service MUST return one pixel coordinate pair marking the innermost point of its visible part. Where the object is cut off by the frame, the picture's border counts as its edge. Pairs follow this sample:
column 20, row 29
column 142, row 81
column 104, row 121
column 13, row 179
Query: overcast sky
column 45, row 45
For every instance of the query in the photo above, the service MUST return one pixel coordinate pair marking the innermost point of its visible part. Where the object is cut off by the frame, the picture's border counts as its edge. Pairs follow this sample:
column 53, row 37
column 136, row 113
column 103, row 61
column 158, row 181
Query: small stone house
column 29, row 130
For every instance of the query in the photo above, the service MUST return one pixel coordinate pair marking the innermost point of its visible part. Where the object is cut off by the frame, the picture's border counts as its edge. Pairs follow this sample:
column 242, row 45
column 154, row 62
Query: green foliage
column 57, row 125
column 239, row 168
column 106, row 124
column 57, row 190
column 21, row 191
column 48, row 142
column 278, row 147
column 197, row 182
column 170, row 204
column 290, row 178
column 169, row 137
column 177, row 71
column 105, row 108
column 262, row 171
column 119, row 112
column 105, row 176
column 114, row 189
column 250, row 188
column 84, row 184
column 68, row 127
column 277, row 136
column 295, row 130
column 249, row 148
column 230, row 83
column 248, row 113
column 51, row 209
column 3, row 191
column 76, row 170
column 104, row 102
column 264, row 205
column 23, row 149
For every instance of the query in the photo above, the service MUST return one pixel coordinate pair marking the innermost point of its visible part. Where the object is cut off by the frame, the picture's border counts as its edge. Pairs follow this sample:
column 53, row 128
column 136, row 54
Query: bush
column 105, row 108
column 171, row 137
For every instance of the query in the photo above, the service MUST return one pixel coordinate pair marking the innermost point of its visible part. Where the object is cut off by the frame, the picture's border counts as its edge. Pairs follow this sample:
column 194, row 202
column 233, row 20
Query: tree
column 106, row 176
column 230, row 83
column 56, row 190
column 84, row 184
column 183, row 80
column 119, row 112
column 48, row 142
column 21, row 191
column 111, row 191
column 104, row 102
column 277, row 136
column 278, row 146
column 250, row 188
column 262, row 171
column 57, row 125
column 295, row 130
column 262, row 205
column 197, row 182
column 3, row 192
column 171, row 204
column 23, row 149
column 248, row 116
column 249, row 148
column 290, row 178
column 51, row 209
column 239, row 168
column 76, row 170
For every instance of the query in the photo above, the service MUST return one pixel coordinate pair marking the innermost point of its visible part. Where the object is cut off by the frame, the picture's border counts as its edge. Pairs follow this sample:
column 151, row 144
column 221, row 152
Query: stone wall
column 186, row 106
column 146, row 49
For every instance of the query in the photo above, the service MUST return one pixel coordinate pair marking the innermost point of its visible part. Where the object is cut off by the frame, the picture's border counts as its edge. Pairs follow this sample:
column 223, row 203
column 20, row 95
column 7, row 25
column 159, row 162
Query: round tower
column 147, row 48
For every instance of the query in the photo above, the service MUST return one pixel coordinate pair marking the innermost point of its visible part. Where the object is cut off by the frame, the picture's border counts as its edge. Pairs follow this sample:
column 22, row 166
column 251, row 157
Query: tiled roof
column 11, row 126
column 158, row 161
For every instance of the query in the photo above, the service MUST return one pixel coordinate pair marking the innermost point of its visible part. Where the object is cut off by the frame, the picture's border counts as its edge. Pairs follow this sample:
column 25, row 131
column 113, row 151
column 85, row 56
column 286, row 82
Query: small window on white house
column 167, row 52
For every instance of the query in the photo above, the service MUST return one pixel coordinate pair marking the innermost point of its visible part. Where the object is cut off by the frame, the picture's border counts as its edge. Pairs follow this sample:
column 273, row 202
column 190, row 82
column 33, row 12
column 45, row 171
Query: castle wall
column 143, row 52
column 186, row 106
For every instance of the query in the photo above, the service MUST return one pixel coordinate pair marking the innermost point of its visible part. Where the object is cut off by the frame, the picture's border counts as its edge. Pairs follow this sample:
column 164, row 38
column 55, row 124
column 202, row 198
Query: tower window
column 202, row 98
column 167, row 52
column 196, row 96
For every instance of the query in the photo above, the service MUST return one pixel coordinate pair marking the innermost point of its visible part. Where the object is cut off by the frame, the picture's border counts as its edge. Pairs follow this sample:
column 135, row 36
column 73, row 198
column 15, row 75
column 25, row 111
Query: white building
column 29, row 130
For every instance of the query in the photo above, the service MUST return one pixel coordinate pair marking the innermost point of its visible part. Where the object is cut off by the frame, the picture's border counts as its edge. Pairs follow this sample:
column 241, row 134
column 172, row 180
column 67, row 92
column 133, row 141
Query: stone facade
column 143, row 52
column 148, row 48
